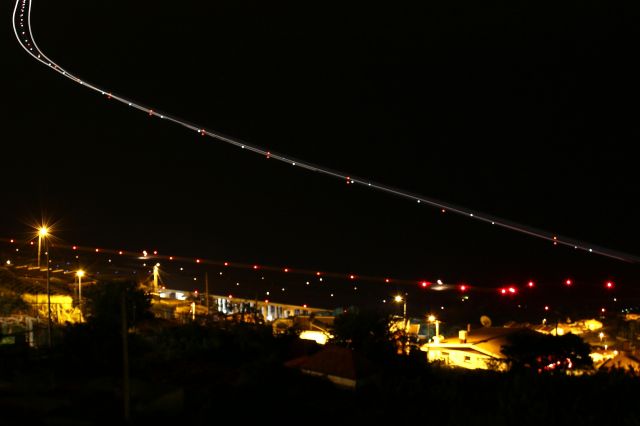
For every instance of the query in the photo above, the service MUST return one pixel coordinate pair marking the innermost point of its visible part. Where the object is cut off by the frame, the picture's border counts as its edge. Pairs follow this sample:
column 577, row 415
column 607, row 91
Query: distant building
column 474, row 349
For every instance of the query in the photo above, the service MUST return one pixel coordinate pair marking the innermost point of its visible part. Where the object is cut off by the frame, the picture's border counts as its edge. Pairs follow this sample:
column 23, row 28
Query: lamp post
column 43, row 233
column 431, row 318
column 399, row 299
column 80, row 274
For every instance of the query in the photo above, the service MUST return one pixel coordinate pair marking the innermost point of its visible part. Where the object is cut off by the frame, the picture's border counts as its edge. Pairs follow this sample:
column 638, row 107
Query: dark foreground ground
column 196, row 375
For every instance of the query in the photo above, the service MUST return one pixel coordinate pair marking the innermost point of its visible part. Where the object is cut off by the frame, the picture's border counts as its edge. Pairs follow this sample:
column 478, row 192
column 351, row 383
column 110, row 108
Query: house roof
column 335, row 361
column 487, row 340
column 624, row 361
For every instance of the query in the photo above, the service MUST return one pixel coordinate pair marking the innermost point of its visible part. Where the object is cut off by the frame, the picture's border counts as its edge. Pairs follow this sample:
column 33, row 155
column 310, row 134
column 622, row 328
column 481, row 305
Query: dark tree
column 365, row 331
column 547, row 353
column 104, row 298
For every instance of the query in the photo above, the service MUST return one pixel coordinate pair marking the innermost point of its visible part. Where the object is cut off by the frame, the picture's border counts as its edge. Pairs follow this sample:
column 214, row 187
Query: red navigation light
column 512, row 290
column 74, row 248
column 286, row 269
column 546, row 308
column 304, row 306
column 318, row 274
column 425, row 284
column 503, row 290
column 268, row 155
column 609, row 284
column 602, row 310
column 352, row 277
column 97, row 250
column 531, row 284
column 155, row 252
column 255, row 266
column 197, row 260
column 120, row 252
column 463, row 287
column 568, row 282
column 150, row 112
column 266, row 300
column 170, row 257
column 387, row 280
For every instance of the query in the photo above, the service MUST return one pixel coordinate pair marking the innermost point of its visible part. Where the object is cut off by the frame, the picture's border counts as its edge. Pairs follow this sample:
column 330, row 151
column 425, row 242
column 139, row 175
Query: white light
column 439, row 282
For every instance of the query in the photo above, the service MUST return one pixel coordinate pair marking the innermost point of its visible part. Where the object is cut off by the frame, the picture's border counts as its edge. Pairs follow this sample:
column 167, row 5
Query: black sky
column 526, row 111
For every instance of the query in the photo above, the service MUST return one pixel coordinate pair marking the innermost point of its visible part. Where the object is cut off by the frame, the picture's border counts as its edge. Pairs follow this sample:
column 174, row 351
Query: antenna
column 485, row 321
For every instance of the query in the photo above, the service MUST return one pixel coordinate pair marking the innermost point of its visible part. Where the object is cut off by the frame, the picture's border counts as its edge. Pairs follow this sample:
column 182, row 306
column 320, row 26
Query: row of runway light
column 351, row 278
column 23, row 32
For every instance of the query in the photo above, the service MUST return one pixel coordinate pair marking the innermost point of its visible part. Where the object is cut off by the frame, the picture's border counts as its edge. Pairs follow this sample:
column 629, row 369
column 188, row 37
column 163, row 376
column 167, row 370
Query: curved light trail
column 24, row 34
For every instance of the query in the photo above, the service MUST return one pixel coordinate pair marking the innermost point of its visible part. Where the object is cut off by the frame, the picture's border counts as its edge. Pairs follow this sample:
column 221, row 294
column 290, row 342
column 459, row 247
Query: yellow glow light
column 431, row 318
column 398, row 298
column 80, row 273
column 43, row 231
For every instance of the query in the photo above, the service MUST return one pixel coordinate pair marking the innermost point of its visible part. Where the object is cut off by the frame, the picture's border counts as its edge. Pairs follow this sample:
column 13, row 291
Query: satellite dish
column 485, row 321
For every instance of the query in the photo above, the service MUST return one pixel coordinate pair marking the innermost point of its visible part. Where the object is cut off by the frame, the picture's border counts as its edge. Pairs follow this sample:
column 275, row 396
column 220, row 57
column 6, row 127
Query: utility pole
column 46, row 247
column 206, row 290
column 125, row 359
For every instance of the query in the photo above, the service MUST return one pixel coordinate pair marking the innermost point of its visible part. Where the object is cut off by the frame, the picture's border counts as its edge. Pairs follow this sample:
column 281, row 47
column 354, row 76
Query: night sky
column 526, row 111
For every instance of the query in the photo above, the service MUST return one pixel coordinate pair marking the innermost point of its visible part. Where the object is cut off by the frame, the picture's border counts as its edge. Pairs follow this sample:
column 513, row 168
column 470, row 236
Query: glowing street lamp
column 43, row 237
column 43, row 233
column 80, row 274
column 403, row 300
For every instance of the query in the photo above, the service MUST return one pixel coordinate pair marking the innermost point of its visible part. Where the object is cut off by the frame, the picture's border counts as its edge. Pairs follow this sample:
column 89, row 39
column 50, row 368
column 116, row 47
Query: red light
column 11, row 241
column 150, row 112
column 425, row 283
column 195, row 291
column 226, row 263
column 31, row 242
column 97, row 250
column 155, row 252
column 286, row 269
column 503, row 290
column 531, row 284
column 568, row 282
column 609, row 284
column 463, row 287
column 348, row 180
column 318, row 273
column 268, row 155
column 352, row 277
column 266, row 300
column 74, row 248
column 170, row 257
column 387, row 280
column 602, row 310
column 230, row 296
column 120, row 252
column 512, row 290
column 255, row 266
column 443, row 210
column 304, row 306
column 197, row 260
column 546, row 308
